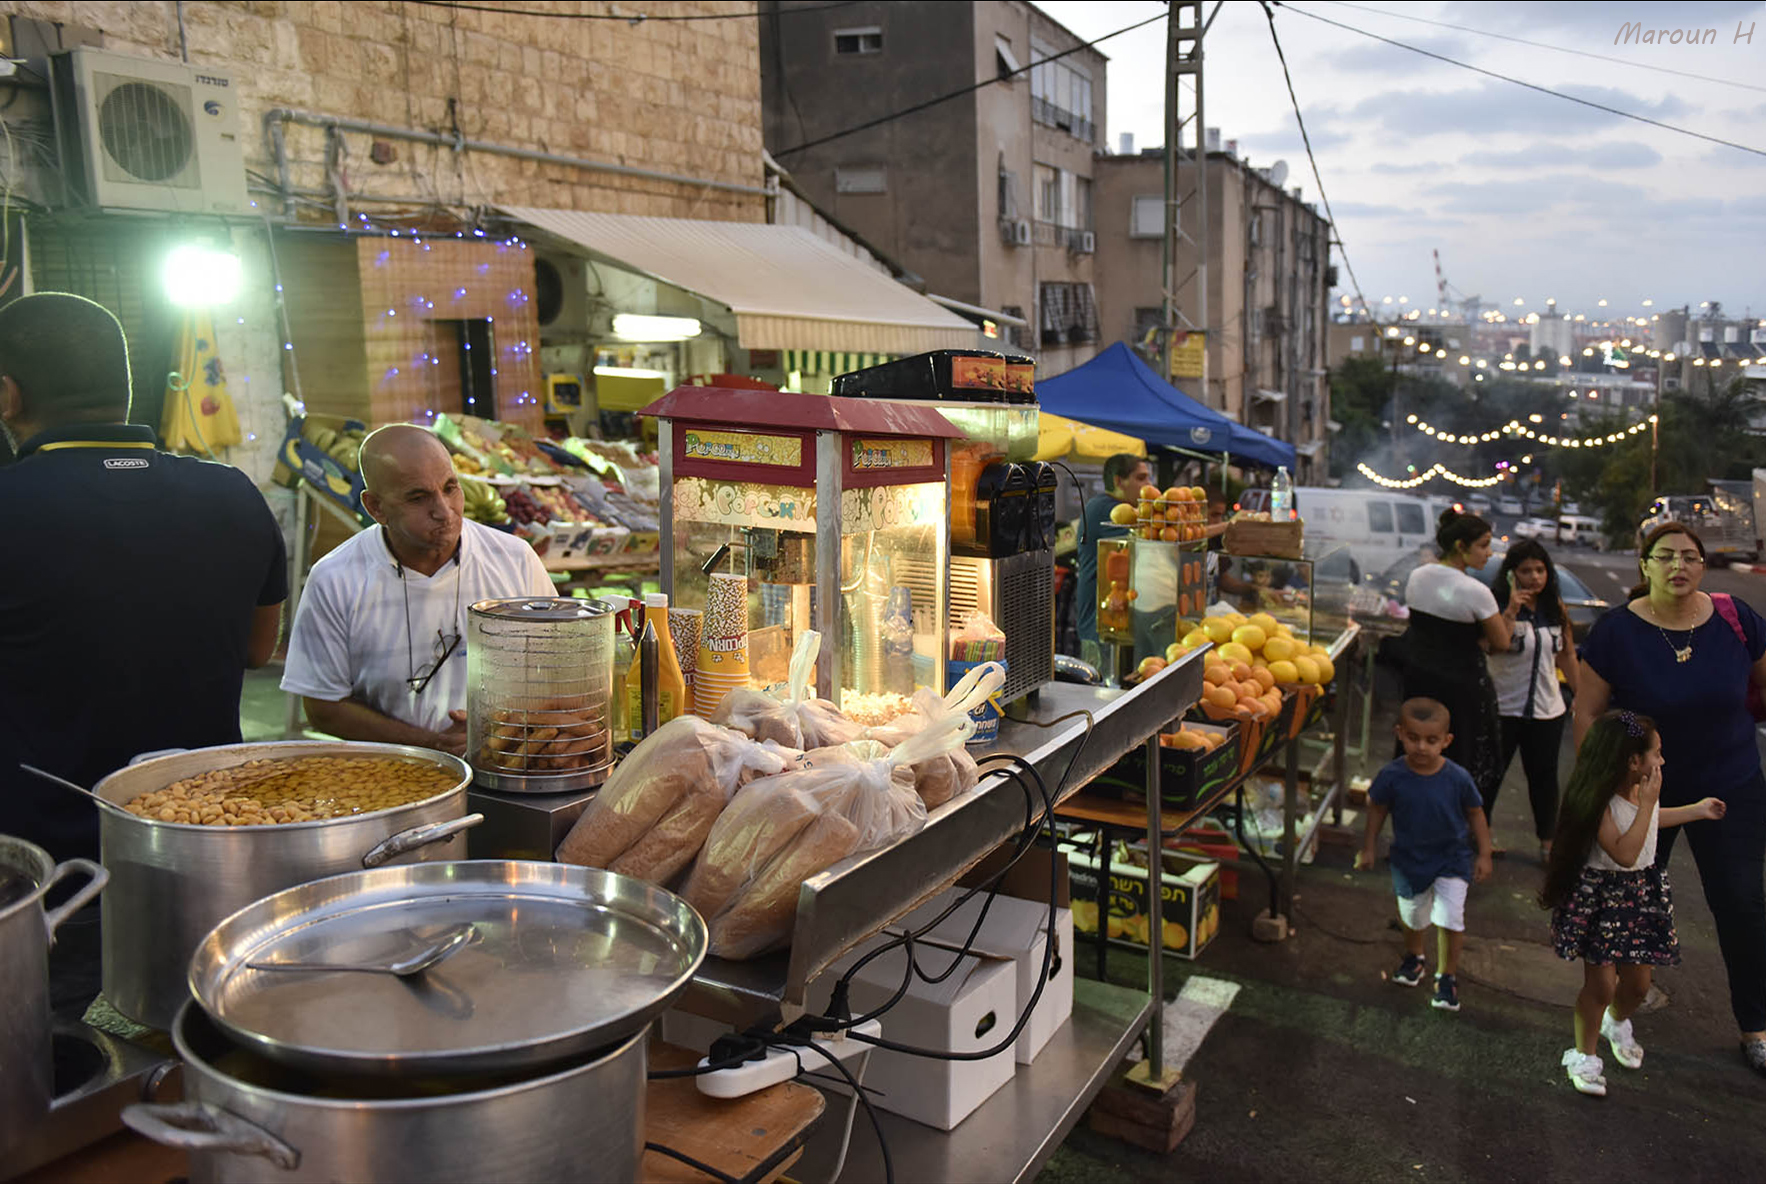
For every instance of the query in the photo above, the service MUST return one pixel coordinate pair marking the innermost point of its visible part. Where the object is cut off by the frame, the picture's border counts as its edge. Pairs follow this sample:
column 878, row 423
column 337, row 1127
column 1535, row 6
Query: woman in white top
column 1453, row 618
column 1528, row 696
column 1612, row 907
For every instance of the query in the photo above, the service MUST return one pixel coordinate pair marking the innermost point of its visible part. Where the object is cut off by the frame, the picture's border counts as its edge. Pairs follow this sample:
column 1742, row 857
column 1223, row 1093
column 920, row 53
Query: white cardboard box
column 967, row 1012
column 1015, row 929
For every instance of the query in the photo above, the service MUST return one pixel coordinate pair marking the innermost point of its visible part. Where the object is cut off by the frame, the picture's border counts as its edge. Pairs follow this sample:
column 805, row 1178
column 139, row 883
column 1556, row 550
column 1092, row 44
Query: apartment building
column 986, row 198
column 1269, row 279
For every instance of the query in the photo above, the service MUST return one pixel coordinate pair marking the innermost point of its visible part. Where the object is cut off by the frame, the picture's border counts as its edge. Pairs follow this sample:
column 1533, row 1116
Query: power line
column 1544, row 90
column 1581, row 53
column 1312, row 159
column 630, row 18
column 957, row 94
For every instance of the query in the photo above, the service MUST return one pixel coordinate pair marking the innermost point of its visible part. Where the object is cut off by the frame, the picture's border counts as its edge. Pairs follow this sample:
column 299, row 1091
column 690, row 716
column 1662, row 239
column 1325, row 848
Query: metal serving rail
column 859, row 896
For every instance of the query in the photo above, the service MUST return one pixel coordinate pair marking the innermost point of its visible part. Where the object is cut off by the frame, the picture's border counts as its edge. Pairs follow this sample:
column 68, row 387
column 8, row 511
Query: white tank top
column 1624, row 813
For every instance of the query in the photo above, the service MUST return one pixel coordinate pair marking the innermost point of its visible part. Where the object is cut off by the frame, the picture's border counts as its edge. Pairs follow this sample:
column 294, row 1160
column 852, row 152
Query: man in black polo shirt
column 136, row 586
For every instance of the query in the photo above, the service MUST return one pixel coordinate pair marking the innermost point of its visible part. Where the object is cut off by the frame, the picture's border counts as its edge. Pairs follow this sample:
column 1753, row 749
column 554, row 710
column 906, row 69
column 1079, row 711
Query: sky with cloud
column 1524, row 194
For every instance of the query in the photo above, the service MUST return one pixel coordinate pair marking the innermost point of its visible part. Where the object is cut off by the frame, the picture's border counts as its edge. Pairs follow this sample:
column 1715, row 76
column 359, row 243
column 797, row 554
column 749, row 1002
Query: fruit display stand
column 1271, row 742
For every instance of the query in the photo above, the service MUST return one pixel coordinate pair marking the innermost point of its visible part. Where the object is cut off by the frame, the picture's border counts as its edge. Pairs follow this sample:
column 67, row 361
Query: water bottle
column 1281, row 496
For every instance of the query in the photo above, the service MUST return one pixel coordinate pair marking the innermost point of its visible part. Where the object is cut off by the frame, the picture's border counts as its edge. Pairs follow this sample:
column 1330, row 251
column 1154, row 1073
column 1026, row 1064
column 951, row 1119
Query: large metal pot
column 175, row 882
column 250, row 1120
column 26, row 931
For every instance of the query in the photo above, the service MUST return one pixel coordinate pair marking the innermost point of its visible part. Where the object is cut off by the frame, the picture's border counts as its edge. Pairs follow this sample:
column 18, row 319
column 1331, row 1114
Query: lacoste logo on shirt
column 124, row 462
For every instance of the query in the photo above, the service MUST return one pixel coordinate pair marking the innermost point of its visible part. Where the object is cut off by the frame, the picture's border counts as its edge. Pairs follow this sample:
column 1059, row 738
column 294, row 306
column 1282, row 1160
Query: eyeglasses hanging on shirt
column 445, row 643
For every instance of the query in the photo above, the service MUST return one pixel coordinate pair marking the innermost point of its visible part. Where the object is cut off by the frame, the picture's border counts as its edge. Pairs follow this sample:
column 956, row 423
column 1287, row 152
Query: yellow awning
column 1062, row 438
column 789, row 288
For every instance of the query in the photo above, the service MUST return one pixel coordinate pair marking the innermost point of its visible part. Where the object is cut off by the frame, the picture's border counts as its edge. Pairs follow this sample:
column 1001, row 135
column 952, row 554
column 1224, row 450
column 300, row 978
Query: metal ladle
column 410, row 967
column 71, row 786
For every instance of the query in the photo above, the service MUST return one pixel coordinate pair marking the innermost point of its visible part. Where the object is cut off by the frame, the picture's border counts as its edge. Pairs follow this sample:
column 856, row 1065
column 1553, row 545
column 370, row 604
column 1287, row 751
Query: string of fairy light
column 1513, row 427
column 1429, row 474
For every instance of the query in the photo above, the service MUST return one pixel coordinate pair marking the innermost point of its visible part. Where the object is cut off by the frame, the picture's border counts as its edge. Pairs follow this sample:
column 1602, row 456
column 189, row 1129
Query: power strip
column 784, row 1063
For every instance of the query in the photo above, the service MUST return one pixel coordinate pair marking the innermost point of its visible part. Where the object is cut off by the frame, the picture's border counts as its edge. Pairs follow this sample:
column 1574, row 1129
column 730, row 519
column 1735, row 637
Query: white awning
column 1270, row 396
column 787, row 287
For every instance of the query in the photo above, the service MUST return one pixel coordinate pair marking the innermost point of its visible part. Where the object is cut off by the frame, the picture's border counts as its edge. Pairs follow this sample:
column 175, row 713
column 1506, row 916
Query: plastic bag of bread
column 799, row 720
column 944, row 775
column 778, row 831
column 654, row 812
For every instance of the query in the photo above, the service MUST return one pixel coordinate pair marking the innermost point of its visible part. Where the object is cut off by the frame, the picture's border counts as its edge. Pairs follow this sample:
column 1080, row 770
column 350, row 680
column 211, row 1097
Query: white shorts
column 1442, row 903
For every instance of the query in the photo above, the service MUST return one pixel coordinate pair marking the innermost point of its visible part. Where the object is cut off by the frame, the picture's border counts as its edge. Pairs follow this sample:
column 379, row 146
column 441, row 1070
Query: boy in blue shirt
column 1436, row 813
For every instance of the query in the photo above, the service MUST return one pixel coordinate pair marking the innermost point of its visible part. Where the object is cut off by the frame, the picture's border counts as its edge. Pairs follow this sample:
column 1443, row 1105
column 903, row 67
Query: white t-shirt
column 350, row 638
column 1624, row 813
column 1450, row 594
column 1529, row 665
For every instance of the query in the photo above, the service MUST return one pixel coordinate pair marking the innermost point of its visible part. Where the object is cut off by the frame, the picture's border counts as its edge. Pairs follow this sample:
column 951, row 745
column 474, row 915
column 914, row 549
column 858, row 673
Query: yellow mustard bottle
column 671, row 684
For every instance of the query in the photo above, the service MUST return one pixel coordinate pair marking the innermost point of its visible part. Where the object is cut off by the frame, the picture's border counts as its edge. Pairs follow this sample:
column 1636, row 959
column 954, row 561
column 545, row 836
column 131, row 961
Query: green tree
column 1361, row 392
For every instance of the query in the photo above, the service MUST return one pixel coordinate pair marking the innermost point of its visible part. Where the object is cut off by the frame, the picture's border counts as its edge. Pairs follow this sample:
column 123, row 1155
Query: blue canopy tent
column 1118, row 391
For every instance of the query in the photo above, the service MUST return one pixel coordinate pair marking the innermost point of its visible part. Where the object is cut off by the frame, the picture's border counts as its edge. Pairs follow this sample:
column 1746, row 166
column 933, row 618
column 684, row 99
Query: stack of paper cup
column 683, row 626
column 723, row 642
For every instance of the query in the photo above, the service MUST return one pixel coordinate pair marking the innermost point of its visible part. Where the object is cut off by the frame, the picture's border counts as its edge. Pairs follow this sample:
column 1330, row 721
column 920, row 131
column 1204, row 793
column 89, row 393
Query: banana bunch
column 343, row 447
column 466, row 466
column 482, row 502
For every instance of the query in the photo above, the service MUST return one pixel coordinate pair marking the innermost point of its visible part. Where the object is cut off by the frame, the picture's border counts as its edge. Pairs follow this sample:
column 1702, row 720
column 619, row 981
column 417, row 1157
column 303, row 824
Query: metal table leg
column 1153, row 1072
column 1290, row 825
column 1103, row 900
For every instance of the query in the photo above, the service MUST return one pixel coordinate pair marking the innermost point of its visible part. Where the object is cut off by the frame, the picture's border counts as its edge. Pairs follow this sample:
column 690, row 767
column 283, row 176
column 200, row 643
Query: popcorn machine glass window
column 784, row 512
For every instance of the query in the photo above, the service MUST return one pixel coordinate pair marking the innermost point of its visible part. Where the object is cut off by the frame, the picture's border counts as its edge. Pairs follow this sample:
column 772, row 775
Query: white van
column 1376, row 527
column 1580, row 528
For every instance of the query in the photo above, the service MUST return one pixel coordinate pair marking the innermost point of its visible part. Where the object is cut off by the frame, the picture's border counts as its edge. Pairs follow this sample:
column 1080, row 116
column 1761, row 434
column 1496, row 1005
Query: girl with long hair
column 1611, row 904
column 1529, row 699
column 1685, row 658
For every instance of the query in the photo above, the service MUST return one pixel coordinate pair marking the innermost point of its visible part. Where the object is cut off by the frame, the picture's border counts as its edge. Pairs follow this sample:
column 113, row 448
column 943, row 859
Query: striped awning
column 788, row 288
column 830, row 363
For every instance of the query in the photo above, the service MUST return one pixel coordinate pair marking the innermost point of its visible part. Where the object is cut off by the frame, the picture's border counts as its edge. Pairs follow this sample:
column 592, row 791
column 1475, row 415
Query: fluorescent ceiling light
column 630, row 326
column 627, row 372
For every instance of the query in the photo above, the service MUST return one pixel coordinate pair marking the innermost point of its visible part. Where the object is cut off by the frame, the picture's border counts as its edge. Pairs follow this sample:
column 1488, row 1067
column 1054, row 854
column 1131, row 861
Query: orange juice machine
column 1002, row 507
column 783, row 512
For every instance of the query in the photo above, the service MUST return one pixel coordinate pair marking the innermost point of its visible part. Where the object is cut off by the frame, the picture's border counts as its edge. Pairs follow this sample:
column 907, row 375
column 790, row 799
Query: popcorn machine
column 783, row 512
column 1003, row 517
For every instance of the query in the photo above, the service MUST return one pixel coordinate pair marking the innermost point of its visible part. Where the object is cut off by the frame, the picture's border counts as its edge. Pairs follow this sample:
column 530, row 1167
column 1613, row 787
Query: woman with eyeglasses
column 1528, row 694
column 1685, row 658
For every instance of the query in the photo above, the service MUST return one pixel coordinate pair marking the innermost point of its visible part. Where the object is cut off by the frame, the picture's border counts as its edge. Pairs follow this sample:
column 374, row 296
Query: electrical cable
column 632, row 18
column 858, row 1092
column 1581, row 53
column 682, row 1157
column 1544, row 90
column 957, row 94
column 851, row 1113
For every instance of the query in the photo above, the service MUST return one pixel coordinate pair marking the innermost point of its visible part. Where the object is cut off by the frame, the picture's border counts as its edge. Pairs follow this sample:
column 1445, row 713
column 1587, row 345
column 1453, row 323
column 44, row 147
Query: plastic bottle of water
column 1281, row 496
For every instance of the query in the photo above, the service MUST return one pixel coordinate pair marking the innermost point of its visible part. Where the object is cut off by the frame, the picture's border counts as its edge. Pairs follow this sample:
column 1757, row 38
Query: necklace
column 419, row 682
column 1681, row 653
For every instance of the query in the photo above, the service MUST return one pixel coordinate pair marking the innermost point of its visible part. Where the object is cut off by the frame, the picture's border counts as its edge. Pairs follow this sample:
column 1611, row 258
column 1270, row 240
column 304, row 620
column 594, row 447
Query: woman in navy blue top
column 1685, row 658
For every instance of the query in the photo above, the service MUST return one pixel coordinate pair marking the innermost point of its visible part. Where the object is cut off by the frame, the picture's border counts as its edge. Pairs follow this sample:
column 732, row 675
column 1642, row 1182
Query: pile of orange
column 1178, row 515
column 1237, row 690
column 1193, row 740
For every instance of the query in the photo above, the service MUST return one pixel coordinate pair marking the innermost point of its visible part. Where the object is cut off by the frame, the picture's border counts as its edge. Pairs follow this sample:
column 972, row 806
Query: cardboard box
column 1018, row 930
column 967, row 1012
column 1185, row 777
column 1190, row 916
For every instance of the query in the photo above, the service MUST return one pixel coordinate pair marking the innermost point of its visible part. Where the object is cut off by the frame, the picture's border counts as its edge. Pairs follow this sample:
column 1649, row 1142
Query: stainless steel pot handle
column 197, row 1126
column 79, row 900
column 418, row 836
column 155, row 754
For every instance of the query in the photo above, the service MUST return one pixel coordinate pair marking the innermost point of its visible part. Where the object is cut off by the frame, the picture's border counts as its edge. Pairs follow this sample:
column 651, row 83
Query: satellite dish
column 1278, row 173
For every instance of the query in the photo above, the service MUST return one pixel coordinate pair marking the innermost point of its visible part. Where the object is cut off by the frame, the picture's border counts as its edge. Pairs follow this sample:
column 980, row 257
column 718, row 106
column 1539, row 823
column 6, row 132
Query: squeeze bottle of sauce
column 671, row 688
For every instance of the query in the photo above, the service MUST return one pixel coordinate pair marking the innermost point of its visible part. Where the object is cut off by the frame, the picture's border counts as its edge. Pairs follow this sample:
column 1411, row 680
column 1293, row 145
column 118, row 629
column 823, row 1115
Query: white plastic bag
column 654, row 812
column 947, row 774
column 800, row 720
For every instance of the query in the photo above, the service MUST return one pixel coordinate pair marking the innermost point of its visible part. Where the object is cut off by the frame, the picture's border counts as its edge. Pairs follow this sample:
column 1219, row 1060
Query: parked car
column 1510, row 505
column 1478, row 504
column 1536, row 528
column 1585, row 607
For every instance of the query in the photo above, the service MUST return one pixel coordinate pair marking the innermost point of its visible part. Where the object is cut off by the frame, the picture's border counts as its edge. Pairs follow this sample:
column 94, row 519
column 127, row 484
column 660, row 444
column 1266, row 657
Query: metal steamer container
column 518, row 1055
column 174, row 882
column 26, row 1077
column 540, row 687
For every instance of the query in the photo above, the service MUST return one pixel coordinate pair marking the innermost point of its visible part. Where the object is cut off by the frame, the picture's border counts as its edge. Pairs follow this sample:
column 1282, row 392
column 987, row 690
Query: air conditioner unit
column 1021, row 232
column 561, row 298
column 1088, row 242
column 1008, row 231
column 140, row 134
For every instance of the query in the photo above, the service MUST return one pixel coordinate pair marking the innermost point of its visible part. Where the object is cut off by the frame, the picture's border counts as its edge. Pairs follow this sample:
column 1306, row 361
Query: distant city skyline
column 1524, row 194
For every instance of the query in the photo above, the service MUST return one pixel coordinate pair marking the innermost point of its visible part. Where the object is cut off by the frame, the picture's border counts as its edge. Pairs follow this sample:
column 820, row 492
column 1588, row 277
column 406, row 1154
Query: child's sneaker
column 1626, row 1050
column 1446, row 993
column 1584, row 1070
column 1409, row 972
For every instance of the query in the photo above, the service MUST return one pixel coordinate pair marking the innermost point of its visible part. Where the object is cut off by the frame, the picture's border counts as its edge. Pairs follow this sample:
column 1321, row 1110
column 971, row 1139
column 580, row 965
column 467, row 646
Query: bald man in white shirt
column 378, row 647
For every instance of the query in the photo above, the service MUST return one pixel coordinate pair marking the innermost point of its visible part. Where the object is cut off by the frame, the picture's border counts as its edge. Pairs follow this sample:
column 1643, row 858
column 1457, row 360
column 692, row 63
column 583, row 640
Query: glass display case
column 1283, row 588
column 784, row 512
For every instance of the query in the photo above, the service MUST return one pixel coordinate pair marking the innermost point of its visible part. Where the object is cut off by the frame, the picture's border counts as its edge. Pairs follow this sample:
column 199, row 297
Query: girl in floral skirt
column 1610, row 903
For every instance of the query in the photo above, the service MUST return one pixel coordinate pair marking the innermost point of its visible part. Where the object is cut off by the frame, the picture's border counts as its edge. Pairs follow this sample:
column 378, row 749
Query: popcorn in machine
column 783, row 512
column 1002, row 508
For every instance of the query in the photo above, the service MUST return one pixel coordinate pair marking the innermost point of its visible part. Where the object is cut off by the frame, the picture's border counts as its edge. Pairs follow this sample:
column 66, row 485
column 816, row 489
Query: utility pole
column 1183, row 59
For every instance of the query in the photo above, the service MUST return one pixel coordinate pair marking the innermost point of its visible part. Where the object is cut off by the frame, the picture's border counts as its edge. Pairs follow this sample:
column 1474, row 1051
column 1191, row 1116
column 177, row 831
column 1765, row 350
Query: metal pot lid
column 542, row 608
column 557, row 961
